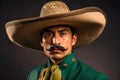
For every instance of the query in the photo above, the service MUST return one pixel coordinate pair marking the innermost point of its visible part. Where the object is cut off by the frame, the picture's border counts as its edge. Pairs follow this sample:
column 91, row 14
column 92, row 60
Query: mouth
column 56, row 50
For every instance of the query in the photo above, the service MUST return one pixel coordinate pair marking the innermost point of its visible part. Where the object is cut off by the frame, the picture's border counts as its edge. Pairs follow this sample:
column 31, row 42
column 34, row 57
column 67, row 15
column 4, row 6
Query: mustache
column 54, row 47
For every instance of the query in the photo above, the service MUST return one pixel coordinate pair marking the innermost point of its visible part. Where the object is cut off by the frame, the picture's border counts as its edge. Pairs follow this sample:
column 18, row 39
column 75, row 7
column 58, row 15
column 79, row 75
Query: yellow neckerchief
column 51, row 73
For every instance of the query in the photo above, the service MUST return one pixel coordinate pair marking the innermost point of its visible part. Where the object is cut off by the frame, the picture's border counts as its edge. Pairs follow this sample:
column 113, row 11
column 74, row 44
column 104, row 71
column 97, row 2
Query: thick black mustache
column 54, row 47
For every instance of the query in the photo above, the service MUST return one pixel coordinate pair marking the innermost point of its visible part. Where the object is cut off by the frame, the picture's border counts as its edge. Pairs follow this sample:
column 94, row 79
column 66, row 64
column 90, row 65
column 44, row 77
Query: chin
column 57, row 56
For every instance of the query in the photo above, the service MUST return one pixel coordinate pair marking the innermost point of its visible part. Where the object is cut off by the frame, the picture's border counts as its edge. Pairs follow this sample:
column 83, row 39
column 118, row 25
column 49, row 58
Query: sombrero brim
column 88, row 22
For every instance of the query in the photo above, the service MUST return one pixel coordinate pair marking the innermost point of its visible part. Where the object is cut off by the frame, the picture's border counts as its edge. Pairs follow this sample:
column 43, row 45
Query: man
column 57, row 32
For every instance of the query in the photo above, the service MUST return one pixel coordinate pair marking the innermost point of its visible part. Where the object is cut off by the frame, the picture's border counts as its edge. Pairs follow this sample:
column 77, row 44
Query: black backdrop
column 102, row 54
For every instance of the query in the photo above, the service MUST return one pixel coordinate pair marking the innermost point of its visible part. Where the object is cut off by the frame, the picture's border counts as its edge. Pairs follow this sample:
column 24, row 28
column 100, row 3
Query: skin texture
column 58, row 36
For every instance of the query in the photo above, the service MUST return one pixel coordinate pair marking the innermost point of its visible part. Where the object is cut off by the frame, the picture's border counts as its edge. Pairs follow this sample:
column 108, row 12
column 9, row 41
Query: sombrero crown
column 88, row 22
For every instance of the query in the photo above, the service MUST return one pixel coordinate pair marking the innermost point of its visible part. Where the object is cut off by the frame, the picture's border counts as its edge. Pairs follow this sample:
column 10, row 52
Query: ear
column 41, row 42
column 74, row 39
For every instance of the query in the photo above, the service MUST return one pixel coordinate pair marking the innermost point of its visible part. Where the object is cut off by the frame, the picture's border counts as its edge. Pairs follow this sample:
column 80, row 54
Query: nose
column 56, row 39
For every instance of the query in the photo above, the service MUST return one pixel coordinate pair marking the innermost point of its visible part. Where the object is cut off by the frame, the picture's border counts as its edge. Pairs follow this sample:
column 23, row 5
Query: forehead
column 56, row 28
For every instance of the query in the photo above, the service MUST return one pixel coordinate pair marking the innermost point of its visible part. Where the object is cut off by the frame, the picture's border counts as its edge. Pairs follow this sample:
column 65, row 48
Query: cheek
column 45, row 43
column 67, row 41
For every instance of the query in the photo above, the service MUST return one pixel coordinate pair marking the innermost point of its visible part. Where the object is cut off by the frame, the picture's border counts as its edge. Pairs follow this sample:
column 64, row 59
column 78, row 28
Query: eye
column 47, row 34
column 63, row 33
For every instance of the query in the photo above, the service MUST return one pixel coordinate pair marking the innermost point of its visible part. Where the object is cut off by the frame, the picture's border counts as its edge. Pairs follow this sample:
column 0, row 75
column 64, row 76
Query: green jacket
column 72, row 69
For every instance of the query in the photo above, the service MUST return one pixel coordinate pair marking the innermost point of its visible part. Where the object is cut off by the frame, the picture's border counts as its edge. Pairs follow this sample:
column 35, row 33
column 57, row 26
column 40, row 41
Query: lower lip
column 56, row 50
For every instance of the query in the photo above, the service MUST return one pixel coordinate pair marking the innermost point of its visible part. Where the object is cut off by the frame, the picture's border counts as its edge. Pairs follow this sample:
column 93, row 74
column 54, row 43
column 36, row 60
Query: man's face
column 57, row 42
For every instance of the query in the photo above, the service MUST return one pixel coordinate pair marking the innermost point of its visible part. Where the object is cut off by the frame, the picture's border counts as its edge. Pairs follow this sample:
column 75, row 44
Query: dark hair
column 72, row 30
column 45, row 29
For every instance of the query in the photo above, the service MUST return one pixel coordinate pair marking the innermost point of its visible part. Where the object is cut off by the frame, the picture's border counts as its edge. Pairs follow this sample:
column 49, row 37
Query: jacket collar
column 66, row 62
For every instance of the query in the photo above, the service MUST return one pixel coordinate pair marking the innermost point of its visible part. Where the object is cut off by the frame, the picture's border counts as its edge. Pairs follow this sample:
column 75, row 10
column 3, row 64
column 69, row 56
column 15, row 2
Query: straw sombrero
column 88, row 22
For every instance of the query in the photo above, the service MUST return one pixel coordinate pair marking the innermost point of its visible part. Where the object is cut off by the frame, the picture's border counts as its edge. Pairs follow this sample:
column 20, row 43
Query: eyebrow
column 62, row 30
column 48, row 30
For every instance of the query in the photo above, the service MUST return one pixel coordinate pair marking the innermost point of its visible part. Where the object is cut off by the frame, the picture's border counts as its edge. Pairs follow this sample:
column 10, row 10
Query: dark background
column 103, row 54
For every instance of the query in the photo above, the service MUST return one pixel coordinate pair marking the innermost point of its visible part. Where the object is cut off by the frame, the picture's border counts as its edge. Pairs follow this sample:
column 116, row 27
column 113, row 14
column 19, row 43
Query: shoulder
column 34, row 73
column 90, row 73
column 103, row 77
